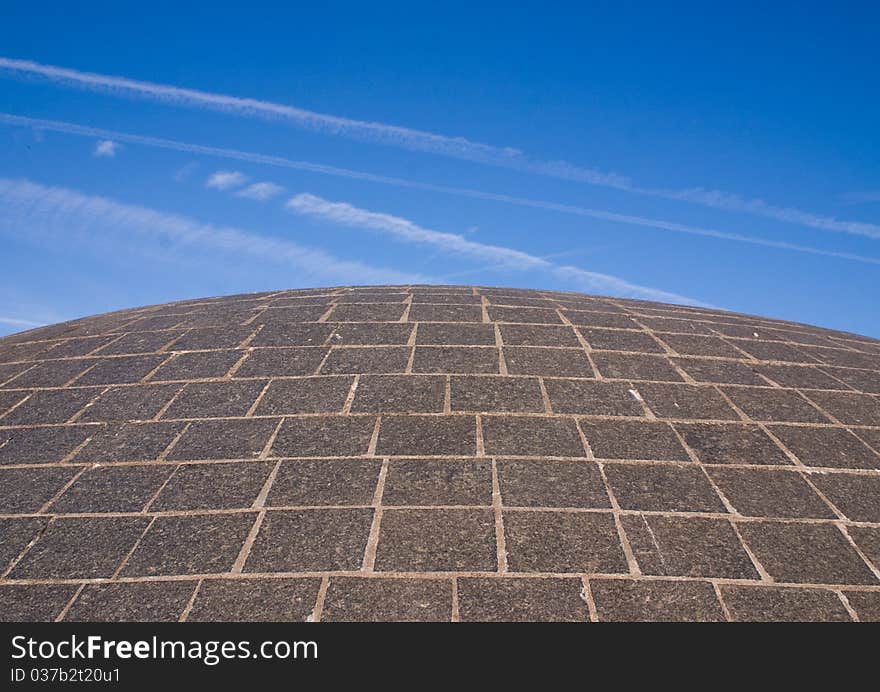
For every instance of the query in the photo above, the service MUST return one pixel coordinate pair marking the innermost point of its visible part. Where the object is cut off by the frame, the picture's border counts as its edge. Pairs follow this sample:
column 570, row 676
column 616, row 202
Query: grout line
column 189, row 604
column 500, row 540
column 456, row 613
column 720, row 597
column 587, row 597
column 369, row 562
column 66, row 609
column 319, row 601
column 137, row 543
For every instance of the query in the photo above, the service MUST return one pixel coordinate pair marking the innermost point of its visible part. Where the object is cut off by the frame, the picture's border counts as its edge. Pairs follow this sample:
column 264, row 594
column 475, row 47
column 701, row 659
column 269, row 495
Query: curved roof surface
column 438, row 453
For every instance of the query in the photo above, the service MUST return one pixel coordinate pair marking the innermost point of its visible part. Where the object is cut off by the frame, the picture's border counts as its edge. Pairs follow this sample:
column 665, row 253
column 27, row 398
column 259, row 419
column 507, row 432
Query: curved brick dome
column 438, row 453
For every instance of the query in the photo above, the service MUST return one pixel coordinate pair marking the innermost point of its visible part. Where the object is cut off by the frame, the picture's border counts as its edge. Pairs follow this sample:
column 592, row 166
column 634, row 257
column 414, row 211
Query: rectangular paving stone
column 367, row 313
column 281, row 334
column 806, row 553
column 721, row 371
column 799, row 376
column 213, row 486
column 10, row 371
column 524, row 314
column 196, row 544
column 867, row 381
column 857, row 496
column 152, row 323
column 121, row 370
column 538, row 335
column 438, row 482
column 42, row 445
column 693, row 345
column 849, row 409
column 28, row 489
column 592, row 398
column 445, row 298
column 50, row 406
column 866, row 604
column 456, row 359
column 436, row 540
column 868, row 540
column 496, row 393
column 80, row 548
column 584, row 318
column 300, row 313
column 9, row 399
column 137, row 402
column 773, row 350
column 687, row 546
column 373, row 297
column 686, row 401
column 313, row 482
column 53, row 373
column 389, row 359
column 139, row 342
column 370, row 334
column 629, row 600
column 427, row 435
column 633, row 440
column 227, row 337
column 768, row 604
column 662, row 488
column 869, row 437
column 667, row 324
column 731, row 444
column 400, row 394
column 223, row 439
column 350, row 599
column 546, row 483
column 620, row 340
column 153, row 601
column 843, row 358
column 129, row 442
column 255, row 600
column 11, row 353
column 563, row 542
column 34, row 602
column 215, row 399
column 338, row 436
column 531, row 436
column 629, row 366
column 521, row 600
column 446, row 313
column 15, row 535
column 311, row 540
column 112, row 489
column 560, row 362
column 326, row 394
column 80, row 347
column 198, row 365
column 770, row 493
column 455, row 334
column 829, row 447
column 780, row 405
column 282, row 362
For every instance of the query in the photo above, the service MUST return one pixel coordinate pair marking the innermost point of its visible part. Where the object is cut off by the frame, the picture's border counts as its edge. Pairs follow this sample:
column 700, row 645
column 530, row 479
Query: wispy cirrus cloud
column 18, row 322
column 498, row 256
column 106, row 148
column 260, row 191
column 33, row 211
column 225, row 180
column 420, row 140
column 321, row 169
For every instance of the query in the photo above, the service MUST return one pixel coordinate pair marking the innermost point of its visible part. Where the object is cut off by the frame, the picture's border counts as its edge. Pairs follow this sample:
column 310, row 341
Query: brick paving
column 438, row 453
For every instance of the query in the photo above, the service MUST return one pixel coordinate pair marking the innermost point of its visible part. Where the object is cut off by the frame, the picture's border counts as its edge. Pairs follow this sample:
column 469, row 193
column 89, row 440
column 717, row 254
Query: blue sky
column 724, row 157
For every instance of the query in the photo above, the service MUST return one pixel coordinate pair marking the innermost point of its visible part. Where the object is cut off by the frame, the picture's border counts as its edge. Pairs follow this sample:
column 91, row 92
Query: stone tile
column 619, row 340
column 213, row 486
column 521, row 301
column 388, row 359
column 229, row 337
column 34, row 602
column 866, row 604
column 806, row 553
column 496, row 393
column 131, row 602
column 870, row 437
column 592, row 398
column 138, row 402
column 53, row 373
column 770, row 493
column 370, row 334
column 667, row 324
column 282, row 362
column 129, row 442
column 198, row 365
column 445, row 298
column 545, row 483
column 531, row 436
column 585, row 318
column 857, row 496
column 28, row 489
column 227, row 439
column 731, row 444
column 139, row 342
column 547, row 361
column 563, row 542
column 799, row 376
column 121, row 370
column 537, row 335
column 287, row 335
column 849, row 409
column 693, row 345
column 9, row 399
column 388, row 600
column 427, row 435
column 367, row 313
column 42, row 445
column 80, row 347
column 10, row 371
column 300, row 313
column 868, row 540
column 687, row 546
column 10, row 353
column 768, row 604
column 196, row 544
column 305, row 395
column 662, row 488
column 311, row 540
column 452, row 334
column 373, row 297
column 255, row 600
column 149, row 323
column 867, row 381
column 686, row 401
column 436, row 540
column 521, row 600
column 112, row 489
column 628, row 600
column 313, row 482
column 50, row 406
column 456, row 359
column 843, row 358
column 438, row 482
column 773, row 350
column 446, row 313
column 633, row 440
column 15, row 535
column 635, row 367
column 340, row 436
column 400, row 394
column 525, row 315
column 215, row 399
column 720, row 371
column 80, row 548
column 831, row 447
column 780, row 405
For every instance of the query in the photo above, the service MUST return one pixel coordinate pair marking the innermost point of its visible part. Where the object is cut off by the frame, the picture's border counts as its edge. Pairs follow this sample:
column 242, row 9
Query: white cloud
column 261, row 191
column 225, row 180
column 420, row 140
column 106, row 148
column 404, row 229
column 321, row 169
column 185, row 171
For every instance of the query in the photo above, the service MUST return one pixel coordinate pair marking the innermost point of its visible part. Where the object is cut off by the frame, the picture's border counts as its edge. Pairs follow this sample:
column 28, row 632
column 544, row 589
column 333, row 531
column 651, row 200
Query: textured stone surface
column 438, row 453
